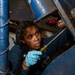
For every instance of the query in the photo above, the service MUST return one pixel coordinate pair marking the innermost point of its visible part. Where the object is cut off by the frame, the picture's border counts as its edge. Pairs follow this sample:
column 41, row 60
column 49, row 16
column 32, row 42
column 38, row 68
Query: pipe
column 3, row 36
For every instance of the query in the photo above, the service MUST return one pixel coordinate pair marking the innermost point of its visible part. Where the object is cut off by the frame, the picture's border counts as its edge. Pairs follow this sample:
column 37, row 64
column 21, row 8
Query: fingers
column 35, row 54
column 32, row 57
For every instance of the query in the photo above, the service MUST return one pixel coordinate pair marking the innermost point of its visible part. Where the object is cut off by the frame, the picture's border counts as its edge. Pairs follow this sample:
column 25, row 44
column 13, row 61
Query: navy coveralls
column 16, row 54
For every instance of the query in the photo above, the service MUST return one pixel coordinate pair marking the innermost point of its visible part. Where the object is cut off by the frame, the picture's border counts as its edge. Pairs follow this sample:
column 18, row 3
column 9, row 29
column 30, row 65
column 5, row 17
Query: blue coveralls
column 15, row 55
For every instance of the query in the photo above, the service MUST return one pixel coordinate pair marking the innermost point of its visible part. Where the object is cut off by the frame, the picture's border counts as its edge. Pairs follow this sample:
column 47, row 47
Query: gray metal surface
column 20, row 10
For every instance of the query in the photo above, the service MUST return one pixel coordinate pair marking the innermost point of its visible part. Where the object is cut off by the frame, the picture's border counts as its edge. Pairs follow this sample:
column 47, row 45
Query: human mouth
column 37, row 45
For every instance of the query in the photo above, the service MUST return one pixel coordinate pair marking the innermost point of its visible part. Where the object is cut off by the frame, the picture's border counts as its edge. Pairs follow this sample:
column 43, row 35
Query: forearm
column 21, row 69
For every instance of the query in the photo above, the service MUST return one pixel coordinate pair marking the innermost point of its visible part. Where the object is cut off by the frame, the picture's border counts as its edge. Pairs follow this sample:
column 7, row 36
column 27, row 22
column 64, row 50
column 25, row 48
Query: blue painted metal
column 63, row 64
column 64, row 12
column 41, row 8
column 3, row 36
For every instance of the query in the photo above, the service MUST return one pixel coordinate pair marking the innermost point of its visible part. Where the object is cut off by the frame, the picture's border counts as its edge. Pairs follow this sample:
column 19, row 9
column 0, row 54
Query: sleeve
column 58, row 42
column 14, row 57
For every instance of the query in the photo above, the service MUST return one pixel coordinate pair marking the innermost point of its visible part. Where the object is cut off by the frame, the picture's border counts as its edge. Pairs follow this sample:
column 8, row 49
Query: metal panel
column 65, row 15
column 63, row 64
column 19, row 10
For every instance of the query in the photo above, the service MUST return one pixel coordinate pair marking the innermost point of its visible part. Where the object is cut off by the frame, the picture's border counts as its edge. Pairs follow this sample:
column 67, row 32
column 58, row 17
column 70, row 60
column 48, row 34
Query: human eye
column 37, row 33
column 30, row 37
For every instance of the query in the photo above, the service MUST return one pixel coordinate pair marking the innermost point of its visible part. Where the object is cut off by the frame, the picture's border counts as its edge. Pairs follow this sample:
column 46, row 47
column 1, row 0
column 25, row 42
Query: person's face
column 32, row 38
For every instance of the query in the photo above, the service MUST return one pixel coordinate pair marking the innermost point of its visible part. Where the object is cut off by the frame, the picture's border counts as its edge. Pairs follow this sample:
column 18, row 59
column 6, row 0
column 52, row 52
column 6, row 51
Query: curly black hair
column 23, row 26
column 19, row 33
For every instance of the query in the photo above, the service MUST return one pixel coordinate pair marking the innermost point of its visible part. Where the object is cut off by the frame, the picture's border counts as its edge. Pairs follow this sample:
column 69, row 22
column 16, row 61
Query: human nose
column 35, row 37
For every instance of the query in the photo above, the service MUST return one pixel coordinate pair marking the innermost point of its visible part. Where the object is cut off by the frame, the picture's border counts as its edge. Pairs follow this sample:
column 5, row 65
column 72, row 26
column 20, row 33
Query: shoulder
column 46, row 40
column 15, row 48
column 15, row 51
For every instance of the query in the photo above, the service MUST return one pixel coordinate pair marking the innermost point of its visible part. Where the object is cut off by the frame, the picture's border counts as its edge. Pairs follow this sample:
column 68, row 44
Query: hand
column 61, row 24
column 32, row 57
